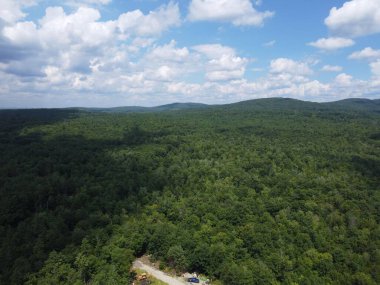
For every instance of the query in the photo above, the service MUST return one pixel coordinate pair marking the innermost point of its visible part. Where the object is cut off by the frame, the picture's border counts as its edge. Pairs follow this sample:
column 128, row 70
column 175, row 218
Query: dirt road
column 158, row 274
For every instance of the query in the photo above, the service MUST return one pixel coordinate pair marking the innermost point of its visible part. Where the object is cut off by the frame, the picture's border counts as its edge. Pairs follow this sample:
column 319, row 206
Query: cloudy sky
column 150, row 52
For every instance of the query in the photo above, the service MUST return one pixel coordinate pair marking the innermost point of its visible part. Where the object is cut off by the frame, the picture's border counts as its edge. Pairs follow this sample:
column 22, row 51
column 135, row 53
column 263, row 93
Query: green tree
column 176, row 258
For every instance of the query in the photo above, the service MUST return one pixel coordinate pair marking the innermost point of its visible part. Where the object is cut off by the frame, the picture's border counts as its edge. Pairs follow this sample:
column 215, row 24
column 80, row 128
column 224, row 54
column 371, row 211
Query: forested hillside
column 271, row 191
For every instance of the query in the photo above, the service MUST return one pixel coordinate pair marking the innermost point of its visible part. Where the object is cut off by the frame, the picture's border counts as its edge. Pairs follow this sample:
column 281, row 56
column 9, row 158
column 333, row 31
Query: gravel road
column 158, row 274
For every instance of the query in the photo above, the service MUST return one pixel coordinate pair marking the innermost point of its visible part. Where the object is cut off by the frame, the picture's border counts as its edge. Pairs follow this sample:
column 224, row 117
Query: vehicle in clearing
column 193, row 280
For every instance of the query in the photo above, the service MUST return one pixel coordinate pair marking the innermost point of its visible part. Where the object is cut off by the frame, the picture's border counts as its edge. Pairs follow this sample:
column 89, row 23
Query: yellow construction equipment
column 141, row 277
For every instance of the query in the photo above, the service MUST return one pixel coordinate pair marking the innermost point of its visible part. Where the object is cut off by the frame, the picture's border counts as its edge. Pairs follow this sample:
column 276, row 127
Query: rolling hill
column 254, row 104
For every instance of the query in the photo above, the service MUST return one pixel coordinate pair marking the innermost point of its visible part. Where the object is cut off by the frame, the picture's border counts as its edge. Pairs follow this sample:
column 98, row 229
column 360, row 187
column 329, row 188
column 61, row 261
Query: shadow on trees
column 56, row 192
column 13, row 121
column 369, row 167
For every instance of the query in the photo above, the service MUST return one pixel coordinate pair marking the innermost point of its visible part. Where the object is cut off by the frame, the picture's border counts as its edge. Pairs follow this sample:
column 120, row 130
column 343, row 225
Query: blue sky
column 151, row 52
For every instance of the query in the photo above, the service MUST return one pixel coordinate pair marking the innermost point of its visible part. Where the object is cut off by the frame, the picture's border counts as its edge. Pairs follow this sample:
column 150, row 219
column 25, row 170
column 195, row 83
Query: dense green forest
column 271, row 191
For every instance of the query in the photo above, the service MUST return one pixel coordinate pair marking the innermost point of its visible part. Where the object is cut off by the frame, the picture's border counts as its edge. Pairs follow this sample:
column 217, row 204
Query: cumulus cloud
column 154, row 23
column 69, row 56
column 152, row 82
column 78, row 3
column 11, row 10
column 80, row 42
column 97, row 2
column 271, row 85
column 332, row 43
column 355, row 18
column 375, row 68
column 366, row 53
column 103, row 2
column 223, row 63
column 344, row 79
column 164, row 73
column 67, row 41
column 214, row 50
column 238, row 12
column 289, row 66
column 168, row 62
column 331, row 68
column 140, row 43
column 22, row 34
column 81, row 27
column 224, row 75
column 169, row 52
column 295, row 86
column 371, row 55
column 183, row 88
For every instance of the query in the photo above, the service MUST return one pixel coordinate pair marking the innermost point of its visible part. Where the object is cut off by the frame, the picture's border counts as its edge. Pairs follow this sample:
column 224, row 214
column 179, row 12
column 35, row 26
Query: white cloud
column 313, row 88
column 154, row 23
column 224, row 75
column 373, row 56
column 269, row 86
column 169, row 52
column 74, row 43
column 140, row 43
column 98, row 2
column 157, row 84
column 11, row 10
column 343, row 79
column 164, row 73
column 78, row 3
column 227, row 62
column 367, row 53
column 108, row 60
column 103, row 2
column 223, row 63
column 183, row 88
column 375, row 68
column 346, row 86
column 332, row 43
column 168, row 62
column 355, row 18
column 332, row 68
column 289, row 66
column 59, row 30
column 53, row 74
column 269, row 44
column 214, row 50
column 81, row 42
column 239, row 12
column 72, row 58
column 22, row 34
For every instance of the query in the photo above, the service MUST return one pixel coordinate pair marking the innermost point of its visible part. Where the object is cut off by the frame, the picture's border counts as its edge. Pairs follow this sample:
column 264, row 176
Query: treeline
column 245, row 195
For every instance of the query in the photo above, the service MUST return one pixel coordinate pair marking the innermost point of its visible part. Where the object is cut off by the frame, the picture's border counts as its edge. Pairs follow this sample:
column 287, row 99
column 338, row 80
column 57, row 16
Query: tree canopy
column 263, row 192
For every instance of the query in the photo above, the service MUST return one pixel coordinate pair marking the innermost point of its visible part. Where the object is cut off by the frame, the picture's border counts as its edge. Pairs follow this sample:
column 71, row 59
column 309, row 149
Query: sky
column 105, row 53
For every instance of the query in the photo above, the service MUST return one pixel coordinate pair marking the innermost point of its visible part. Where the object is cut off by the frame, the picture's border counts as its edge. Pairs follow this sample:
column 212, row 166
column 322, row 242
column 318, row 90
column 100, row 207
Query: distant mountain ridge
column 357, row 104
column 275, row 103
column 139, row 109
